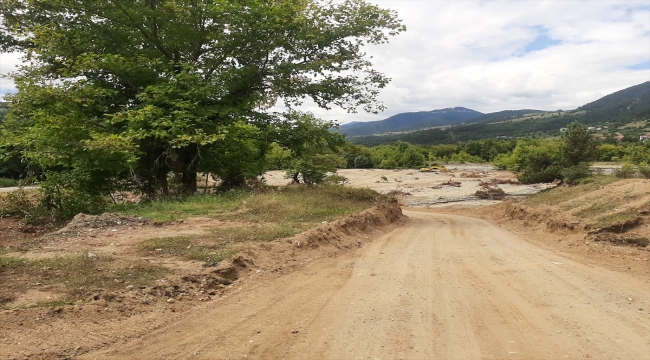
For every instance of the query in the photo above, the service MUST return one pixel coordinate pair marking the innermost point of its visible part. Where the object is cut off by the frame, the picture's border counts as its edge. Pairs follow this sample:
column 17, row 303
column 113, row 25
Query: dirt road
column 440, row 287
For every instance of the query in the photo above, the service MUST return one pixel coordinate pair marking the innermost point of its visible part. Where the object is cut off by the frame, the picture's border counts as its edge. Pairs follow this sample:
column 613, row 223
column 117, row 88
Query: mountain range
column 625, row 112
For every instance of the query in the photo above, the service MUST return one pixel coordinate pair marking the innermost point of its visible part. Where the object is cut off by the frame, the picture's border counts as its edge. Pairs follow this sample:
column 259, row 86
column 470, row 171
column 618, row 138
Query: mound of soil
column 282, row 255
column 84, row 222
column 490, row 193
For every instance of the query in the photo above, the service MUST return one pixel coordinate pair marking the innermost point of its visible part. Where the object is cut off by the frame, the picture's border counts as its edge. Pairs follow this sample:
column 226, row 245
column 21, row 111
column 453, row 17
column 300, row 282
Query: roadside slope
column 443, row 286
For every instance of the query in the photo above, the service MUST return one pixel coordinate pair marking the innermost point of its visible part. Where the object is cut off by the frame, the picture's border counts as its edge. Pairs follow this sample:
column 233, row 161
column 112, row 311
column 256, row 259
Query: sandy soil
column 427, row 188
column 441, row 287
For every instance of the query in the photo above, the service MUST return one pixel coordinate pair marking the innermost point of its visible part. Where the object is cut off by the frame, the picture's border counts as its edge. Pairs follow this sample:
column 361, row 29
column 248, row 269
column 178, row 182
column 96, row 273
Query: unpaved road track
column 440, row 287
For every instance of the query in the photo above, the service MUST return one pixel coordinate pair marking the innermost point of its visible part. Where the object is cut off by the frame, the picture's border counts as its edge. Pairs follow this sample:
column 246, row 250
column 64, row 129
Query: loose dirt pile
column 490, row 193
column 83, row 222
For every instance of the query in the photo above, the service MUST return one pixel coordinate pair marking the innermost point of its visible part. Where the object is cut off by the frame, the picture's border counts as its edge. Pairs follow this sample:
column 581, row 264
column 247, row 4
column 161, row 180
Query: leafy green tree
column 314, row 148
column 577, row 145
column 278, row 158
column 362, row 162
column 126, row 92
column 536, row 161
column 412, row 158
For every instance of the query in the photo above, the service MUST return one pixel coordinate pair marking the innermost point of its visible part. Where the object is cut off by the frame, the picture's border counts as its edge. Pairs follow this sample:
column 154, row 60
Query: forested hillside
column 626, row 112
column 411, row 121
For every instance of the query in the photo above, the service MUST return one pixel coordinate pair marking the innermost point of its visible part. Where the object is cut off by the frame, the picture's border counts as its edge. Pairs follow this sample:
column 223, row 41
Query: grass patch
column 619, row 217
column 81, row 275
column 294, row 203
column 637, row 241
column 273, row 213
column 188, row 248
column 222, row 243
column 4, row 182
column 566, row 193
column 598, row 207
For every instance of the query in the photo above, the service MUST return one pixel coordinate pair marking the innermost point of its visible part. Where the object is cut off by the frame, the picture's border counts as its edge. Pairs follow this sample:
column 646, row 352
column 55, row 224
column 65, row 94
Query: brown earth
column 514, row 280
column 441, row 287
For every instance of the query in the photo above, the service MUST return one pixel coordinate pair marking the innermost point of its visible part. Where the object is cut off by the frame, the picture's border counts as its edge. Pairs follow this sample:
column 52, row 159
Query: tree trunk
column 189, row 179
column 189, row 157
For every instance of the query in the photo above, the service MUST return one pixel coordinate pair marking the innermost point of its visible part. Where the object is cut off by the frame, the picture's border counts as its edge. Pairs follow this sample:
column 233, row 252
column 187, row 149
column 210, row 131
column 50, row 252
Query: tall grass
column 297, row 203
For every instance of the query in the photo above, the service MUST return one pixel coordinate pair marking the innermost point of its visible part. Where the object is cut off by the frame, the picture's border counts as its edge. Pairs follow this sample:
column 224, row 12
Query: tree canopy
column 128, row 92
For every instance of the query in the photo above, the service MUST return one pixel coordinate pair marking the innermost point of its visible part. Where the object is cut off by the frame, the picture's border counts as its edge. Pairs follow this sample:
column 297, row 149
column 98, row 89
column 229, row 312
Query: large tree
column 133, row 90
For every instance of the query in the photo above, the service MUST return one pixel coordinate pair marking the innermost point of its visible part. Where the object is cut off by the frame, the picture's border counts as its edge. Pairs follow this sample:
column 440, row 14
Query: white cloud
column 472, row 54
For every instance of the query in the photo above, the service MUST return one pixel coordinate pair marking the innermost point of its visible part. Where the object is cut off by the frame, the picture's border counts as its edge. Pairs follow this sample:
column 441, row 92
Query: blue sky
column 645, row 65
column 498, row 55
column 541, row 42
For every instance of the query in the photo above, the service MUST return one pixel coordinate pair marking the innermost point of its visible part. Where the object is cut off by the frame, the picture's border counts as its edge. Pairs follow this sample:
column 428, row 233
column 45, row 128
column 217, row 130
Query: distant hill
column 411, row 121
column 626, row 112
column 505, row 115
column 630, row 103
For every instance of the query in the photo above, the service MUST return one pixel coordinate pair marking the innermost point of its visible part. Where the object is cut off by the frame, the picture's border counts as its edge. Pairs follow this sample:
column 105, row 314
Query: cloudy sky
column 498, row 55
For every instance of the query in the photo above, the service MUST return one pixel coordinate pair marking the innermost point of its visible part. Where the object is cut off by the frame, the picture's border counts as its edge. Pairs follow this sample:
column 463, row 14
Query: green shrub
column 362, row 162
column 22, row 204
column 504, row 162
column 644, row 170
column 4, row 182
column 574, row 174
column 626, row 171
column 388, row 164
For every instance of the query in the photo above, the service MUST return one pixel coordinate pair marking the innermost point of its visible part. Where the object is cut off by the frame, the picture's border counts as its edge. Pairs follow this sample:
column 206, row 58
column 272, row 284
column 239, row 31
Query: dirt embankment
column 112, row 317
column 607, row 225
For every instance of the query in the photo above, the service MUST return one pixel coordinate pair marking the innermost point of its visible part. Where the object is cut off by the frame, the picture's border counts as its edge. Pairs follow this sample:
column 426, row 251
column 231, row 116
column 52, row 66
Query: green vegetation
column 612, row 114
column 141, row 97
column 188, row 249
column 620, row 216
column 637, row 241
column 80, row 275
column 565, row 194
column 303, row 204
column 8, row 182
column 257, row 216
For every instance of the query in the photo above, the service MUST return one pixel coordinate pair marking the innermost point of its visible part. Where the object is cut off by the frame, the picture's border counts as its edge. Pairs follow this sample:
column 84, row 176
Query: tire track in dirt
column 442, row 286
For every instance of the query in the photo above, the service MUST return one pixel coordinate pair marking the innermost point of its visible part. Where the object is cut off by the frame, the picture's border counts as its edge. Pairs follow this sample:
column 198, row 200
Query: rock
column 92, row 256
column 295, row 331
column 171, row 301
column 129, row 287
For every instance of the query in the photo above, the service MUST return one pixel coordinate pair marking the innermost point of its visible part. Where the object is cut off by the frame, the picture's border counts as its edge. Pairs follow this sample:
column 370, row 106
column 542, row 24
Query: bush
column 4, row 182
column 412, row 158
column 336, row 179
column 362, row 162
column 67, row 194
column 540, row 175
column 626, row 171
column 644, row 170
column 504, row 162
column 574, row 174
column 20, row 203
column 388, row 164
